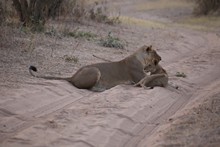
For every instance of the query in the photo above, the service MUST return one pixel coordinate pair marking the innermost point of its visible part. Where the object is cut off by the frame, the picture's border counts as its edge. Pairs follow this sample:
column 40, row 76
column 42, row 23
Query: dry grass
column 93, row 1
column 202, row 23
column 163, row 4
column 95, row 10
column 207, row 7
column 208, row 21
column 142, row 22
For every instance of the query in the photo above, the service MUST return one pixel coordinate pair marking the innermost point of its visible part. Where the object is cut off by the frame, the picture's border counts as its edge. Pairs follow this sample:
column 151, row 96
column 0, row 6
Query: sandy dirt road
column 39, row 112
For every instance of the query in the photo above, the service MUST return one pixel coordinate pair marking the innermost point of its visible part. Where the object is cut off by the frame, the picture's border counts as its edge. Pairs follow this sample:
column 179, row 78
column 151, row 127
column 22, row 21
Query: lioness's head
column 147, row 53
column 150, row 66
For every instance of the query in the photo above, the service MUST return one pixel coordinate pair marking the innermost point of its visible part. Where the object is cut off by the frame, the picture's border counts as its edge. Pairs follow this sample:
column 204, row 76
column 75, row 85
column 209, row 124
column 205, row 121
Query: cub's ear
column 149, row 48
column 155, row 62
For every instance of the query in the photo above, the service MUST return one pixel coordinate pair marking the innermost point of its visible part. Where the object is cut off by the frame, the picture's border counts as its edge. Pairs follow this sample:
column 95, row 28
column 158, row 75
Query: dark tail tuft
column 33, row 68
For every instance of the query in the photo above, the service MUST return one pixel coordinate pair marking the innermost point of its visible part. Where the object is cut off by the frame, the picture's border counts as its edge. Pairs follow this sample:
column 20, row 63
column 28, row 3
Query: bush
column 2, row 16
column 83, row 10
column 205, row 7
column 79, row 34
column 74, row 9
column 34, row 14
column 112, row 42
column 98, row 12
column 180, row 74
column 71, row 59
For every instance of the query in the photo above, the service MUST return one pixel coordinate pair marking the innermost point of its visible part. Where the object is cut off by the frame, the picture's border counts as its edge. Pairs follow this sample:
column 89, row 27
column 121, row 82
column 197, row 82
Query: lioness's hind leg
column 86, row 77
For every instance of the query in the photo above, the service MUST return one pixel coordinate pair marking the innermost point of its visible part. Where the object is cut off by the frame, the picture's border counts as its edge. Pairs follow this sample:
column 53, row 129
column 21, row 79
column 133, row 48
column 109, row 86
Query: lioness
column 102, row 76
column 158, row 76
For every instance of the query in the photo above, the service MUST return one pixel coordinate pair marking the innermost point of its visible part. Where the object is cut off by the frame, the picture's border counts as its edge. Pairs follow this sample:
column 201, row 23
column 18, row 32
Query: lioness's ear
column 149, row 48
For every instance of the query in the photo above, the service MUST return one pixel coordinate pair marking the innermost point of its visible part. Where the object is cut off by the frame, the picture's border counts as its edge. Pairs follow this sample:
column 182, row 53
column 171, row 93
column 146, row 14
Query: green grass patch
column 112, row 42
column 71, row 59
column 81, row 34
column 180, row 74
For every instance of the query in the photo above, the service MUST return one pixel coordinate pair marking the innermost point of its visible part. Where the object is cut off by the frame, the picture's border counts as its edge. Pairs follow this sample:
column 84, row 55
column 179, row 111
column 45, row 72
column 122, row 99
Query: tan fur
column 102, row 76
column 158, row 76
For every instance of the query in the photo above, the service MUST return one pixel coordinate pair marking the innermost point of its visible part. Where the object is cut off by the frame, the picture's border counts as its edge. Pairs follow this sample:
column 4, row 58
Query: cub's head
column 147, row 53
column 150, row 66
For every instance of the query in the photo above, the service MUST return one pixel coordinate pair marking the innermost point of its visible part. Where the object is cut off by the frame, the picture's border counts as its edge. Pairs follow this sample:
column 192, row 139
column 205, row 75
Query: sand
column 46, row 113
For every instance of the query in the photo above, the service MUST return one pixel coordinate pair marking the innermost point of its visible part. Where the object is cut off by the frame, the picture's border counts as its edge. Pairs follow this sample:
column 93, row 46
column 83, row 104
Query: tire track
column 16, row 123
column 209, row 76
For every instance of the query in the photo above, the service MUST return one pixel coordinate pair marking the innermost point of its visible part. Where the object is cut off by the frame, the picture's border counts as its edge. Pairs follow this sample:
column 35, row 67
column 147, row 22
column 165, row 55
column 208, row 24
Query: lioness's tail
column 33, row 69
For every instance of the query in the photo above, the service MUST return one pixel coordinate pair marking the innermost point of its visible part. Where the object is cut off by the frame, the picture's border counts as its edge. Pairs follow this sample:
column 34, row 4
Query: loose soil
column 37, row 112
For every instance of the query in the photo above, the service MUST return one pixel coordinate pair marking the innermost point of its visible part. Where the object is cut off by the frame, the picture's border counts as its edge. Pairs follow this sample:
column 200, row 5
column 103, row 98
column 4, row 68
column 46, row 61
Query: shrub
column 74, row 9
column 2, row 16
column 71, row 59
column 180, row 74
column 34, row 14
column 83, row 10
column 80, row 34
column 205, row 7
column 112, row 42
column 98, row 12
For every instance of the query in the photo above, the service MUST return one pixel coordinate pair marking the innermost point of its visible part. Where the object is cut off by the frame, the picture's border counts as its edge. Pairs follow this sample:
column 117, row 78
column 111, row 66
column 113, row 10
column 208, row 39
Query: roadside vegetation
column 34, row 14
column 55, row 19
column 112, row 42
column 207, row 7
column 80, row 34
column 180, row 74
column 58, row 18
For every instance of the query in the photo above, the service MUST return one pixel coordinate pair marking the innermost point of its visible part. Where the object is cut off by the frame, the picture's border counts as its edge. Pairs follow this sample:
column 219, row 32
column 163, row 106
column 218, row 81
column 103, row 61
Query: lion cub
column 158, row 76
